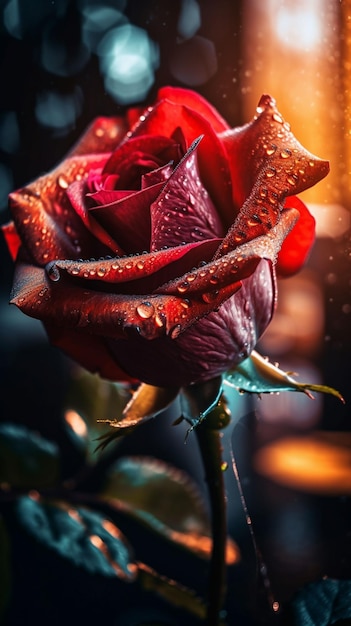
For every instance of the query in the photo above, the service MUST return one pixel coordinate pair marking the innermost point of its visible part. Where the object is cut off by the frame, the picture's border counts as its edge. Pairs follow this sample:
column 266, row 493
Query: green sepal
column 257, row 375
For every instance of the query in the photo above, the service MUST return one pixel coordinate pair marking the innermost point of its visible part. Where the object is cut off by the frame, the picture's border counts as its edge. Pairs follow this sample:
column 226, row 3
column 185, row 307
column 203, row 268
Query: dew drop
column 74, row 271
column 140, row 265
column 53, row 272
column 270, row 172
column 160, row 320
column 271, row 150
column 145, row 310
column 277, row 118
column 101, row 272
column 214, row 280
column 175, row 331
column 285, row 154
column 190, row 278
column 311, row 163
column 292, row 179
column 183, row 287
column 210, row 296
column 62, row 182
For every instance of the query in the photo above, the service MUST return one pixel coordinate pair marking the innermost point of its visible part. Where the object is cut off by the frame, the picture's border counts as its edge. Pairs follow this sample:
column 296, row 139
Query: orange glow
column 111, row 529
column 97, row 542
column 202, row 545
column 292, row 51
column 76, row 422
column 317, row 463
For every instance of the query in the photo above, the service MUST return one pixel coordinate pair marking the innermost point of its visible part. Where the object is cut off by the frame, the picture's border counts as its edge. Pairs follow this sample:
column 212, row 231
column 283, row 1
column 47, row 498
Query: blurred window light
column 59, row 111
column 128, row 59
column 6, row 184
column 97, row 20
column 189, row 20
column 332, row 220
column 298, row 24
column 194, row 61
column 9, row 132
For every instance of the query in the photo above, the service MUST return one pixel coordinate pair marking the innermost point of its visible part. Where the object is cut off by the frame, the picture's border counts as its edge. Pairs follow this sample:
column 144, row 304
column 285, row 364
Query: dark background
column 35, row 378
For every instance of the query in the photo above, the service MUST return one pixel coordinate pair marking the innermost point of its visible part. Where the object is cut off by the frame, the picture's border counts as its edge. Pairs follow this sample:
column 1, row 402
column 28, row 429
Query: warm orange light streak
column 292, row 51
column 318, row 463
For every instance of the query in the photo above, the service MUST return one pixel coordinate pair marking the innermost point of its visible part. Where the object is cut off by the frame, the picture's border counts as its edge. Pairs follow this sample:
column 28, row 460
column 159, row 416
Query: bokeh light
column 128, row 60
column 9, row 132
column 58, row 111
column 189, row 20
column 193, row 61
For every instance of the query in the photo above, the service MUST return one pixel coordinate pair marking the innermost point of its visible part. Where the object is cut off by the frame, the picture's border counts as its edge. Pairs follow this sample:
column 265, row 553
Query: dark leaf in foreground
column 85, row 538
column 323, row 603
column 26, row 459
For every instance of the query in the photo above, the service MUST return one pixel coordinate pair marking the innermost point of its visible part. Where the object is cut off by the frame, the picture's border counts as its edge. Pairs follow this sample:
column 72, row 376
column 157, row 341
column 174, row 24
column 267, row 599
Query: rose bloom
column 150, row 252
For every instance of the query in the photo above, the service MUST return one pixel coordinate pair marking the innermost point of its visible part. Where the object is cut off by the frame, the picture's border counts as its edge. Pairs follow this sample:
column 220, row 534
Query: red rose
column 185, row 218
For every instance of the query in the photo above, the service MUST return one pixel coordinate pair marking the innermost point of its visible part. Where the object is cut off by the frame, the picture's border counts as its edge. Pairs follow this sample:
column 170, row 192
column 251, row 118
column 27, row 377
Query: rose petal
column 12, row 239
column 298, row 243
column 184, row 211
column 106, row 314
column 194, row 101
column 128, row 219
column 142, row 273
column 94, row 355
column 103, row 135
column 44, row 219
column 267, row 164
column 77, row 193
column 157, row 146
column 235, row 265
column 164, row 118
column 212, row 344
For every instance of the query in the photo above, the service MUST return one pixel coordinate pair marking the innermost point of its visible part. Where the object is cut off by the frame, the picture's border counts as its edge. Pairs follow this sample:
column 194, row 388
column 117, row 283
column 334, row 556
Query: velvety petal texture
column 150, row 252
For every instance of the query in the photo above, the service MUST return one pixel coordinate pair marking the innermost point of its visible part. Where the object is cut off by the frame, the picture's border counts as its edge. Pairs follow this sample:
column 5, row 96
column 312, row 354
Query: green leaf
column 257, row 375
column 323, row 603
column 27, row 460
column 5, row 568
column 166, row 500
column 84, row 537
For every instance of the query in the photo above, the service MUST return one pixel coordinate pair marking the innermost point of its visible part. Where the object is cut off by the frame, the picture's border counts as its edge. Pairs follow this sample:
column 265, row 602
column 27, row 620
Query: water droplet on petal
column 271, row 150
column 270, row 172
column 62, row 182
column 210, row 296
column 140, row 265
column 278, row 118
column 145, row 310
column 53, row 272
column 285, row 154
column 183, row 287
column 101, row 271
column 175, row 331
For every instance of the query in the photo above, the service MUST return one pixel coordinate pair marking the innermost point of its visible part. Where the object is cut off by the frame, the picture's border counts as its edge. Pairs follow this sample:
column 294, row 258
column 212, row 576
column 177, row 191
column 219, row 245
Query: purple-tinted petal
column 128, row 219
column 76, row 193
column 142, row 273
column 184, row 211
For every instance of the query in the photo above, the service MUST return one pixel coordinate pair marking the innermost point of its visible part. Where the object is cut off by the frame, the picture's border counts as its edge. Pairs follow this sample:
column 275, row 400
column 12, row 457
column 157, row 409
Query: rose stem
column 209, row 441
